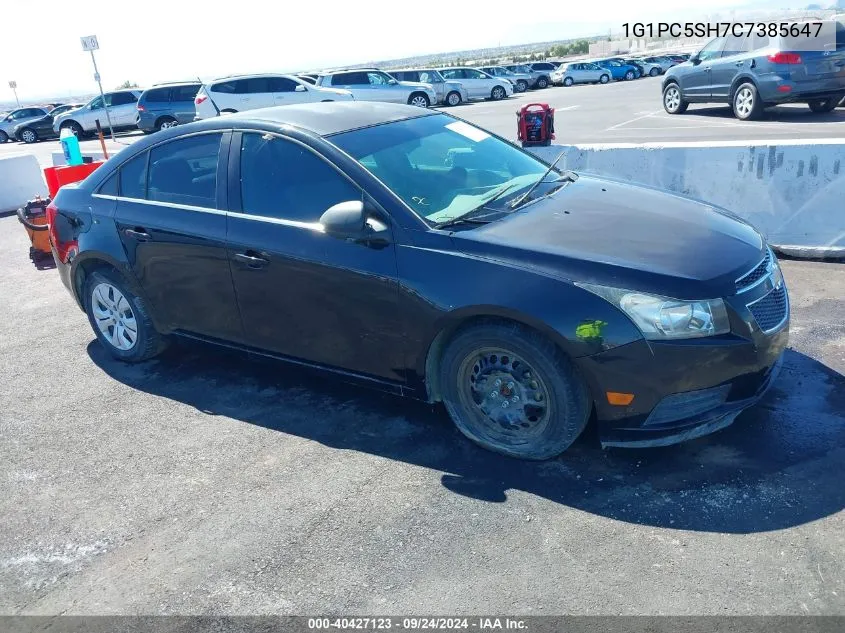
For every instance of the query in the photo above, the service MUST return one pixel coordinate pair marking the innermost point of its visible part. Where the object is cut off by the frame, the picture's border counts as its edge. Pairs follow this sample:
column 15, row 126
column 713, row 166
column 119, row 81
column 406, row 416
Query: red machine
column 535, row 124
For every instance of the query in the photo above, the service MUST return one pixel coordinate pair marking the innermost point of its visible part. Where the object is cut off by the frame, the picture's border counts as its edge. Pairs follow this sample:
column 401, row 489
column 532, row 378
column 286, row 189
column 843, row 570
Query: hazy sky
column 153, row 41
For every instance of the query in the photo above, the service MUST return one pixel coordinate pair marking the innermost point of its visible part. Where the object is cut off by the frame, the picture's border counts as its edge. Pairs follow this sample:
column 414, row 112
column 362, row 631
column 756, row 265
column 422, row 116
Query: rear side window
column 123, row 98
column 226, row 87
column 160, row 95
column 350, row 79
column 281, row 179
column 133, row 178
column 109, row 187
column 185, row 171
column 184, row 93
column 452, row 73
column 282, row 84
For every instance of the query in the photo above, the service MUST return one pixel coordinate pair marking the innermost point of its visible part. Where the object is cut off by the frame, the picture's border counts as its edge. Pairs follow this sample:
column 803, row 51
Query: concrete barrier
column 21, row 179
column 793, row 192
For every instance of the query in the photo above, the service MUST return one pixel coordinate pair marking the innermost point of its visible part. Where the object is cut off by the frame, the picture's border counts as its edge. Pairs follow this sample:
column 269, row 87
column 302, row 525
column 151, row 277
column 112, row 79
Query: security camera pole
column 14, row 86
column 90, row 44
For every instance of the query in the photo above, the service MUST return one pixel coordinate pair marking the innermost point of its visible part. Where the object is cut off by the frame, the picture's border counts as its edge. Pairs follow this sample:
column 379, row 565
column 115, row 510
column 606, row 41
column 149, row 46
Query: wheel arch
column 740, row 79
column 428, row 365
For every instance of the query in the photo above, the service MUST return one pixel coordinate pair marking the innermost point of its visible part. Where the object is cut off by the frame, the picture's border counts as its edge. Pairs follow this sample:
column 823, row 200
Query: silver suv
column 372, row 84
column 448, row 92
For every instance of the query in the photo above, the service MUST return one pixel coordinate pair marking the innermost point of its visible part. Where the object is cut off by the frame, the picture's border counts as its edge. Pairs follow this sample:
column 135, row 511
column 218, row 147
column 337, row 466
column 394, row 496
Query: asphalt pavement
column 210, row 482
column 619, row 112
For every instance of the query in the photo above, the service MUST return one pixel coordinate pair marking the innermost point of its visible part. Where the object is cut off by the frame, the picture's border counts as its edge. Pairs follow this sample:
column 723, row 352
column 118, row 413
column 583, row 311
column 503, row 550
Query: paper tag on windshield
column 470, row 132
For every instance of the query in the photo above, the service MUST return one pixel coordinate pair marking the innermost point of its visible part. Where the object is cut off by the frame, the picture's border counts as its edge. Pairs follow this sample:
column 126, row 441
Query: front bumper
column 689, row 388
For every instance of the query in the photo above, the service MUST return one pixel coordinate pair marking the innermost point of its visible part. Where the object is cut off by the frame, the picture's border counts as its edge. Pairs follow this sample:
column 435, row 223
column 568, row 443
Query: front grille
column 770, row 311
column 756, row 273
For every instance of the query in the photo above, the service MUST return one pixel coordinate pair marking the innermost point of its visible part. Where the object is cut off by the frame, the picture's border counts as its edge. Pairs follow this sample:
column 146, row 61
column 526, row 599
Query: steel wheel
column 28, row 136
column 114, row 317
column 418, row 100
column 508, row 398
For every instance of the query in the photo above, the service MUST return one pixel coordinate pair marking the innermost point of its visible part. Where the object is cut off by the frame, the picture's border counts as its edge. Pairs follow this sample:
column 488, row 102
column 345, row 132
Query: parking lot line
column 624, row 123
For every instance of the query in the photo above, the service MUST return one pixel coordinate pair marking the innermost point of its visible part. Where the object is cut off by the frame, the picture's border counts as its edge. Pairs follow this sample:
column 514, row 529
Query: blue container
column 70, row 147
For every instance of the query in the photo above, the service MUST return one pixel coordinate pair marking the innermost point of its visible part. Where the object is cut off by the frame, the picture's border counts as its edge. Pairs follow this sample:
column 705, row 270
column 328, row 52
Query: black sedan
column 418, row 253
column 41, row 129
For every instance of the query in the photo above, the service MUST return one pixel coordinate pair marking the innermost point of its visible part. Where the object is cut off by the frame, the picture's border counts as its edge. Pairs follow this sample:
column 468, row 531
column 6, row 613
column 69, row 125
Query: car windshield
column 441, row 167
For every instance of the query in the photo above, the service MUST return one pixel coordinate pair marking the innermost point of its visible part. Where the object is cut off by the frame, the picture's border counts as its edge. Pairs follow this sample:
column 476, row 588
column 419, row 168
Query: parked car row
column 602, row 71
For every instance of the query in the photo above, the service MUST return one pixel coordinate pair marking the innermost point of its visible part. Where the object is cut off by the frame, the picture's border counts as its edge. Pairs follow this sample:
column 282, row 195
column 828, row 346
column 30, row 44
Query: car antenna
column 517, row 201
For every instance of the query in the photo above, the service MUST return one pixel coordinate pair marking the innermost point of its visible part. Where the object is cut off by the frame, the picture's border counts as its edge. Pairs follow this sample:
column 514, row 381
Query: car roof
column 326, row 118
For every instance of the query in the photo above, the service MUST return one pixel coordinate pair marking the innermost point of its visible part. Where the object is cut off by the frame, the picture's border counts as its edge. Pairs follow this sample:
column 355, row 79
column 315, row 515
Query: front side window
column 441, row 167
column 225, row 87
column 96, row 104
column 472, row 73
column 711, row 50
column 452, row 73
column 282, row 84
column 350, row 79
column 184, row 171
column 378, row 79
column 284, row 180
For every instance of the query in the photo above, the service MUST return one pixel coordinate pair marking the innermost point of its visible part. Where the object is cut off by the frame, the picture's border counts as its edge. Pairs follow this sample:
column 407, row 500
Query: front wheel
column 74, row 127
column 542, row 82
column 165, row 123
column 604, row 79
column 629, row 75
column 820, row 106
column 673, row 100
column 521, row 85
column 498, row 93
column 454, row 98
column 568, row 81
column 3, row 137
column 28, row 135
column 746, row 102
column 653, row 72
column 512, row 391
column 418, row 99
column 120, row 319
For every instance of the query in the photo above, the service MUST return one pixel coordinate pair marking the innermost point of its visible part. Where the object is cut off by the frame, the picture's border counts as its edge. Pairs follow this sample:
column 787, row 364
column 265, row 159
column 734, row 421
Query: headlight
column 661, row 318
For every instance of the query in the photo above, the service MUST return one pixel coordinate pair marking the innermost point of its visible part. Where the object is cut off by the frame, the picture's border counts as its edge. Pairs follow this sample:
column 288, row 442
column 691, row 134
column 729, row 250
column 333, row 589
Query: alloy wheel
column 454, row 99
column 166, row 125
column 114, row 316
column 672, row 99
column 419, row 101
column 744, row 102
column 28, row 136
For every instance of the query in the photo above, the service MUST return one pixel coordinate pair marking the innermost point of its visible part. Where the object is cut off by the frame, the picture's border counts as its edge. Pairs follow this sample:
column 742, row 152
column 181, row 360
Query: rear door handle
column 252, row 261
column 739, row 63
column 138, row 233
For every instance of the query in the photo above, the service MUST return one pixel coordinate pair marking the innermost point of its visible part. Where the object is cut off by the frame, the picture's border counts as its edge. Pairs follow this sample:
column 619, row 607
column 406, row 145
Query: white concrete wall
column 793, row 192
column 21, row 179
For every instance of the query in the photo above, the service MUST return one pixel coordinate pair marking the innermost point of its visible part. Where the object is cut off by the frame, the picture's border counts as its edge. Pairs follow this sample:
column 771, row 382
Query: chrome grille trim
column 756, row 275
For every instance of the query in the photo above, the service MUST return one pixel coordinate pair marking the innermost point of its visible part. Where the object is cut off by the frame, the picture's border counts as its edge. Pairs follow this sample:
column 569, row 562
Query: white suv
column 123, row 112
column 248, row 92
column 372, row 84
column 479, row 84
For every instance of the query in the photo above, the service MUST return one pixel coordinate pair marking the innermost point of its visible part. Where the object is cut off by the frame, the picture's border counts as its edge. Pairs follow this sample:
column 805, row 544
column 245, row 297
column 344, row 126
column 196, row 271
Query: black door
column 174, row 232
column 301, row 292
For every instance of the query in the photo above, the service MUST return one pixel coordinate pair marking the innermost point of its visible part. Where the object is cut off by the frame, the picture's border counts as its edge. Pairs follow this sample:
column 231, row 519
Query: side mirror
column 695, row 59
column 392, row 82
column 300, row 88
column 348, row 221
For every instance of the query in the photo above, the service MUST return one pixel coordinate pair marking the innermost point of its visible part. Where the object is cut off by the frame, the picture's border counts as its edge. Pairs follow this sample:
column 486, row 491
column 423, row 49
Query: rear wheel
column 3, row 137
column 521, row 85
column 454, row 98
column 165, row 123
column 120, row 319
column 418, row 99
column 568, row 81
column 498, row 93
column 604, row 79
column 654, row 72
column 820, row 106
column 673, row 100
column 746, row 102
column 512, row 391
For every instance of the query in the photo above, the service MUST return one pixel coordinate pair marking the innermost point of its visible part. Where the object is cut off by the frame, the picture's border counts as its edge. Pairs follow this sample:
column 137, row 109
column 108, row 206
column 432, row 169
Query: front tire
column 568, row 82
column 419, row 99
column 512, row 391
column 604, row 79
column 673, row 99
column 521, row 85
column 542, row 82
column 4, row 138
column 629, row 76
column 74, row 127
column 454, row 99
column 822, row 106
column 653, row 72
column 498, row 93
column 746, row 102
column 29, row 136
column 120, row 319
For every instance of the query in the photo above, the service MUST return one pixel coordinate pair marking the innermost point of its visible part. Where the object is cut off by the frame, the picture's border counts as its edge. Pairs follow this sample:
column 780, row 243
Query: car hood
column 634, row 237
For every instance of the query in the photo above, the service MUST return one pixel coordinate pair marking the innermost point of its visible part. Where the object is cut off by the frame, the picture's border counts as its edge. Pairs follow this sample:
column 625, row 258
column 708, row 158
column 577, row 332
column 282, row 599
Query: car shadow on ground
column 779, row 465
column 782, row 114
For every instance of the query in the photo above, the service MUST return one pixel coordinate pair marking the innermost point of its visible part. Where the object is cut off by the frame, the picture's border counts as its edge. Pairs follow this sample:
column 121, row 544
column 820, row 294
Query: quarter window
column 185, row 171
column 350, row 79
column 184, row 93
column 282, row 179
column 133, row 178
column 109, row 187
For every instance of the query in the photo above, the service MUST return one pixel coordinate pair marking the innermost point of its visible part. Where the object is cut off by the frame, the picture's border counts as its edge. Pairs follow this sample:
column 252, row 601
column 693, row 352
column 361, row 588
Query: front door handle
column 251, row 260
column 738, row 63
column 138, row 233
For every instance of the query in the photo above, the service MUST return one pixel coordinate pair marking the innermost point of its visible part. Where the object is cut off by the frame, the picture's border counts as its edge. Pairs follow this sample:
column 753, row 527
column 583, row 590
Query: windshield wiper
column 517, row 201
column 481, row 220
